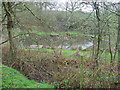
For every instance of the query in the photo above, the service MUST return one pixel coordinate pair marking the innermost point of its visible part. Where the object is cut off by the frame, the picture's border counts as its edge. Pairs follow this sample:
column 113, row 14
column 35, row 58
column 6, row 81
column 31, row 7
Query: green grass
column 68, row 53
column 45, row 33
column 39, row 33
column 17, row 31
column 11, row 78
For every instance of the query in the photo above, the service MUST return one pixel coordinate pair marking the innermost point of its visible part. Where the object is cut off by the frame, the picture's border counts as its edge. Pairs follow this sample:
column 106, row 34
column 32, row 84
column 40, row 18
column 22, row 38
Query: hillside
column 14, row 79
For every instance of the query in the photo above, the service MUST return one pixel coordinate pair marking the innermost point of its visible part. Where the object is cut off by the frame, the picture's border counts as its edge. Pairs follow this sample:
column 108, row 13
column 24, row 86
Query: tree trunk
column 8, row 9
column 118, row 37
column 99, row 31
column 118, row 43
column 110, row 48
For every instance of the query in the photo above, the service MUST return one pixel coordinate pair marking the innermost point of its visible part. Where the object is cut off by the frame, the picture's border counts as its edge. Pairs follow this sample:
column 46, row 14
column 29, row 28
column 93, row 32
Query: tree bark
column 118, row 36
column 8, row 9
column 97, row 12
column 118, row 44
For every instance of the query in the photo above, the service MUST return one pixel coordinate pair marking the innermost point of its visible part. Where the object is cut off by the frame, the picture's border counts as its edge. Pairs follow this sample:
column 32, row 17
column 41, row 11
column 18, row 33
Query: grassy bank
column 11, row 78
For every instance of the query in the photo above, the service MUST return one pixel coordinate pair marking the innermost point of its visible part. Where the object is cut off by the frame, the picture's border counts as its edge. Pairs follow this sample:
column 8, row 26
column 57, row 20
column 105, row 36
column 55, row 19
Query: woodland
column 75, row 44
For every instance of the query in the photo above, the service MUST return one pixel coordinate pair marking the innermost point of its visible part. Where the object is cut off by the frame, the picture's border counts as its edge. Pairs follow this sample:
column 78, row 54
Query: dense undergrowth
column 43, row 65
column 11, row 78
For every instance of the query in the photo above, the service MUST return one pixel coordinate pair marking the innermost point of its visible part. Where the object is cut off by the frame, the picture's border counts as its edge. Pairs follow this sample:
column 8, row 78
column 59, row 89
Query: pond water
column 63, row 41
column 87, row 45
column 82, row 45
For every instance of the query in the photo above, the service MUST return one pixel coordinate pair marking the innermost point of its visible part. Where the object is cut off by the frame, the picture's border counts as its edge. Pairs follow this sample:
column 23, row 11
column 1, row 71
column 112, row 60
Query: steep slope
column 11, row 78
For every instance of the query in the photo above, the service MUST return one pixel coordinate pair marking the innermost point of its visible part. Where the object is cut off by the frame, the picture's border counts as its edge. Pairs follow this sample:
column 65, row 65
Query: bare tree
column 118, row 42
column 8, row 10
column 118, row 36
column 97, row 12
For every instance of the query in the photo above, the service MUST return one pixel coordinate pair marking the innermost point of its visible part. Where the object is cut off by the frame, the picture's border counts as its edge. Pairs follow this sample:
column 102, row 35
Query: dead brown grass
column 40, row 66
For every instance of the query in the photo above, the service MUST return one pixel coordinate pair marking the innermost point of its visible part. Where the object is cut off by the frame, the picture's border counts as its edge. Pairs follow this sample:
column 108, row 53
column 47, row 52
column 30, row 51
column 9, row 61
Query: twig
column 12, row 37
